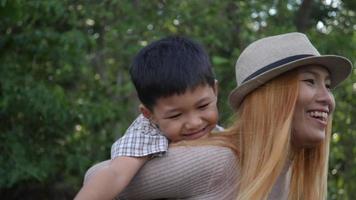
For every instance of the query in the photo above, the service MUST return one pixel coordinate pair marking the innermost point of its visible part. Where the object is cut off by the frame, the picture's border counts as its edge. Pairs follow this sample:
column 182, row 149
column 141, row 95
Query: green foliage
column 65, row 93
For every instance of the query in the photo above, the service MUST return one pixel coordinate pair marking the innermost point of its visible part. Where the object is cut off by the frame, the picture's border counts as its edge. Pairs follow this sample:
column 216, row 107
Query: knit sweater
column 190, row 173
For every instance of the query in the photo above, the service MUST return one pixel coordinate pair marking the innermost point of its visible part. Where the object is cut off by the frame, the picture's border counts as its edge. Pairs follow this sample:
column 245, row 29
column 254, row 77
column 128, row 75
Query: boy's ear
column 145, row 111
column 216, row 88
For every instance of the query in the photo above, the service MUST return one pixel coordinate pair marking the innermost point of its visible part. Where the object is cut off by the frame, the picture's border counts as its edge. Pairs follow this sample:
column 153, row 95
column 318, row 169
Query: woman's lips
column 319, row 121
column 319, row 116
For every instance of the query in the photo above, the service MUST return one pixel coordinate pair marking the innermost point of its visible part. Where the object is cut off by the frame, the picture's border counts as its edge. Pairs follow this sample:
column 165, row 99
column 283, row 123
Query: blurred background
column 65, row 92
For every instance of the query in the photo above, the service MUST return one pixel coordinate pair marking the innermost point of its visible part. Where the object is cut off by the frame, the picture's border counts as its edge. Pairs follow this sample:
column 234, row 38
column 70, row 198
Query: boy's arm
column 110, row 180
column 199, row 173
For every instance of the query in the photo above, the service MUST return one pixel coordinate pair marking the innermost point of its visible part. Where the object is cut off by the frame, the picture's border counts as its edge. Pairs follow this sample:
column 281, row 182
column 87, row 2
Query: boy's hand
column 109, row 181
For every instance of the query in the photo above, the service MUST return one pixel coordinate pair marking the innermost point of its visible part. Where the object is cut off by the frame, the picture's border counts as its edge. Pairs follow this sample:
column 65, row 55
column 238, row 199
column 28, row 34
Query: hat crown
column 272, row 56
column 269, row 50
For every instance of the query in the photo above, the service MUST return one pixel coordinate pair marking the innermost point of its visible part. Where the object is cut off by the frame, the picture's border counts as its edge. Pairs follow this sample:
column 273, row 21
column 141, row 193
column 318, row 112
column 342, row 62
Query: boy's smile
column 186, row 116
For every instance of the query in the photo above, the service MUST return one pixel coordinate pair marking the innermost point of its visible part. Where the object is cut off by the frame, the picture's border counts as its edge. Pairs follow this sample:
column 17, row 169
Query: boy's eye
column 174, row 116
column 203, row 106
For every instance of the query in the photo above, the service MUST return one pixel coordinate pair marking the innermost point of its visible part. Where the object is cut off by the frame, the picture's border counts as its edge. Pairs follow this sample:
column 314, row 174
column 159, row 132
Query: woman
column 280, row 138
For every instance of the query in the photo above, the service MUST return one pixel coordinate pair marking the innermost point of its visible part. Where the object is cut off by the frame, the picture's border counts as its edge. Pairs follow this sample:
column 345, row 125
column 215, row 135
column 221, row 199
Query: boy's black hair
column 170, row 66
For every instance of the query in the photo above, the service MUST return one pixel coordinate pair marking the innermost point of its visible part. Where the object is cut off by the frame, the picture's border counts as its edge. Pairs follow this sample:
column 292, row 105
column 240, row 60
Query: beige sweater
column 191, row 173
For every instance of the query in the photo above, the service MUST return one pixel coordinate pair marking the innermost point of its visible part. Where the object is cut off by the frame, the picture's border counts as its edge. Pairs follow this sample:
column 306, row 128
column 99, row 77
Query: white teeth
column 319, row 114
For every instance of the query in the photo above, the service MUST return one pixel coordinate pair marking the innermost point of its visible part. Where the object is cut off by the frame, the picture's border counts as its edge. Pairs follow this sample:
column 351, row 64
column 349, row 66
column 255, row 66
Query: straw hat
column 269, row 57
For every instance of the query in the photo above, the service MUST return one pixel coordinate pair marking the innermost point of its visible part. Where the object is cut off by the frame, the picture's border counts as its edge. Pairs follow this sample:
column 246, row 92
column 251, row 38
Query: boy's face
column 188, row 116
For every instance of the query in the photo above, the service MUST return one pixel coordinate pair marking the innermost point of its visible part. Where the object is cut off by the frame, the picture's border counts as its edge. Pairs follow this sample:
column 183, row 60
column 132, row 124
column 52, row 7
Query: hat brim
column 339, row 68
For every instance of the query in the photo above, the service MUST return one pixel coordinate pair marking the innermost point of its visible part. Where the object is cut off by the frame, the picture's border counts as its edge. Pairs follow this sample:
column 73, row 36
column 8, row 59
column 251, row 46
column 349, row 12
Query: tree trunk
column 302, row 20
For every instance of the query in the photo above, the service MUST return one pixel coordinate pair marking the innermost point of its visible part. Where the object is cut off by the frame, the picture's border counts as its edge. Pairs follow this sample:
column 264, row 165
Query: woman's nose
column 325, row 97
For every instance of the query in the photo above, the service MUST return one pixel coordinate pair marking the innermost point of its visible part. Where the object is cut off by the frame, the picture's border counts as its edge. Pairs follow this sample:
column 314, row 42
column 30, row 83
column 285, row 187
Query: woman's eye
column 310, row 81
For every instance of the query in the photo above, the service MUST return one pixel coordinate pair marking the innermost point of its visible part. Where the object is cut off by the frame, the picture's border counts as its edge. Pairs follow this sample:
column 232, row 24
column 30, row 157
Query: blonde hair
column 261, row 139
column 264, row 132
column 309, row 172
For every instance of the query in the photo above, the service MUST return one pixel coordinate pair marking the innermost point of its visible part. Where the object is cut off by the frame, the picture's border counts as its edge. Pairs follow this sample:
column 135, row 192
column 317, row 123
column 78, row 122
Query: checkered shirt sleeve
column 142, row 138
column 218, row 128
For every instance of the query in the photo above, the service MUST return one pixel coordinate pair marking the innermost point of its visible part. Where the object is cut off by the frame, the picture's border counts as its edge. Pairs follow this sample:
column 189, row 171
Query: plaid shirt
column 142, row 138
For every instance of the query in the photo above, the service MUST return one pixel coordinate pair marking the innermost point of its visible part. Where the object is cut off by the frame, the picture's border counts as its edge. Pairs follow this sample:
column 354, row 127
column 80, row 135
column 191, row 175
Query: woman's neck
column 281, row 187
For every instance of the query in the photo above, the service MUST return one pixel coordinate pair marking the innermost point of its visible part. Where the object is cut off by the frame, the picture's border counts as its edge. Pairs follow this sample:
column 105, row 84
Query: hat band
column 276, row 64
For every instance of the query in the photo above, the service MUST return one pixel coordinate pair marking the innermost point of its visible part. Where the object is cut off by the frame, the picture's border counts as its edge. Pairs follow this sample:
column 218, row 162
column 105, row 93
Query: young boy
column 178, row 93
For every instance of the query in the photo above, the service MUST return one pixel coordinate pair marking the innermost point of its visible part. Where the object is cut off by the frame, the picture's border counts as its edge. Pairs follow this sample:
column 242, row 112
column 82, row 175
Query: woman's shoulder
column 210, row 150
column 205, row 158
column 214, row 155
column 187, row 171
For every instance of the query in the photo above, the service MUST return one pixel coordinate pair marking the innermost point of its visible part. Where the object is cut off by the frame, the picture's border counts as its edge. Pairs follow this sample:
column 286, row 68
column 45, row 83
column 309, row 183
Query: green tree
column 65, row 93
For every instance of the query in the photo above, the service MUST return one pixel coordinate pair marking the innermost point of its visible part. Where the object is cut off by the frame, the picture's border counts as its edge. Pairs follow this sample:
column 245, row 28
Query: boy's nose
column 193, row 122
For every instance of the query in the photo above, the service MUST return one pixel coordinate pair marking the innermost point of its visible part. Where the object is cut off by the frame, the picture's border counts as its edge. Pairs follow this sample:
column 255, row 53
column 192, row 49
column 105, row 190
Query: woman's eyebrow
column 316, row 74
